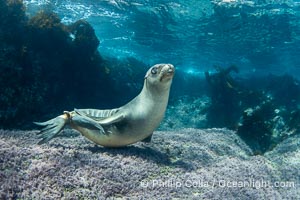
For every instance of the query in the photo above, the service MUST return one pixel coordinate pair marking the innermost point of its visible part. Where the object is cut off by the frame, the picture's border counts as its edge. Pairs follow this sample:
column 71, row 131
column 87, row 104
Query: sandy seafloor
column 183, row 164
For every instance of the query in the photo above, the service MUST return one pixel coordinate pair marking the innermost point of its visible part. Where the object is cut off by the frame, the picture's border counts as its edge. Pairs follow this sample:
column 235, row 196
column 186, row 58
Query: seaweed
column 263, row 114
column 83, row 37
column 224, row 93
column 43, row 70
column 47, row 35
column 256, row 128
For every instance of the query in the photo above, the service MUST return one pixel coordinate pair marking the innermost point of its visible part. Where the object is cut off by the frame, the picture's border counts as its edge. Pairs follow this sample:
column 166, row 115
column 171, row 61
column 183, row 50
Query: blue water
column 260, row 36
column 236, row 61
column 237, row 68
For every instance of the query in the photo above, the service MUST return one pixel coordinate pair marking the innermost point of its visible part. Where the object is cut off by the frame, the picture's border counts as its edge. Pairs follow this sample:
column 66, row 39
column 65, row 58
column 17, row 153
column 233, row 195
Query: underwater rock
column 183, row 164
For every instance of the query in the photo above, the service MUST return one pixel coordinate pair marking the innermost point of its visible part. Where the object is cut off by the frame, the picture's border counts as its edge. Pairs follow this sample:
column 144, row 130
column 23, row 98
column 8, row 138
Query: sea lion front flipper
column 147, row 139
column 113, row 116
column 97, row 114
column 111, row 120
column 86, row 122
column 51, row 128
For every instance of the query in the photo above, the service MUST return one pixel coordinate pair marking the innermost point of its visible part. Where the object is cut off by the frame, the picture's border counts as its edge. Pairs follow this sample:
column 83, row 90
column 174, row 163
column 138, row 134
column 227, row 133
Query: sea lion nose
column 171, row 68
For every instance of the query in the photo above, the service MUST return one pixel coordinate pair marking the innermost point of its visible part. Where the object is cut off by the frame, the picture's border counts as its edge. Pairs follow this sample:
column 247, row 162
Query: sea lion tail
column 52, row 127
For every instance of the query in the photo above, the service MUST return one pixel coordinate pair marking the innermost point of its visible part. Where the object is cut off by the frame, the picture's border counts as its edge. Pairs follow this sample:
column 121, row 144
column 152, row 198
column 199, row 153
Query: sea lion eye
column 154, row 70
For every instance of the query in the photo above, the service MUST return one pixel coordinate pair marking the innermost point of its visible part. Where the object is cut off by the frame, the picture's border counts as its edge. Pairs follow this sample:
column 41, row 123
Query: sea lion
column 122, row 126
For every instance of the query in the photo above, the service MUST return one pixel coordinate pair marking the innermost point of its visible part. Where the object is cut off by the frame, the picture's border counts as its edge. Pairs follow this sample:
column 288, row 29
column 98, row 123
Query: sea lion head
column 160, row 76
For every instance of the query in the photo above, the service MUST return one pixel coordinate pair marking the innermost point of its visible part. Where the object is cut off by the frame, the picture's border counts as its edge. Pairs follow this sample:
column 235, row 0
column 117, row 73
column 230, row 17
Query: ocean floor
column 183, row 164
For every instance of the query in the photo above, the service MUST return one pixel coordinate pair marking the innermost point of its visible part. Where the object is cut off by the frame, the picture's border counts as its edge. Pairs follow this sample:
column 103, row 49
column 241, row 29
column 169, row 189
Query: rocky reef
column 183, row 164
column 47, row 67
column 263, row 110
column 40, row 64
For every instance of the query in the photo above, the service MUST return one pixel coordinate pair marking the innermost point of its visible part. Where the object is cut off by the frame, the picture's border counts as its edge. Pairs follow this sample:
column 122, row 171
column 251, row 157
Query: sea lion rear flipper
column 51, row 128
